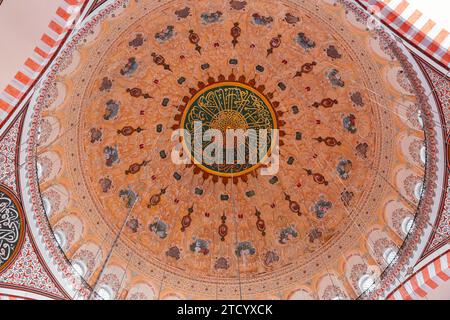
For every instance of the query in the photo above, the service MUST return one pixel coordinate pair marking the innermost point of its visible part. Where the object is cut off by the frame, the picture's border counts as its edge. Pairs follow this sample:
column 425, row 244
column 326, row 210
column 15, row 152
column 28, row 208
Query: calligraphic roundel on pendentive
column 12, row 227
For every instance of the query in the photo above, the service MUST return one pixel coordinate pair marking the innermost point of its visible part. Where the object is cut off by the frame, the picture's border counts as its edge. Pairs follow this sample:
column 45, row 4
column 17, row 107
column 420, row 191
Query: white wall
column 22, row 23
column 436, row 10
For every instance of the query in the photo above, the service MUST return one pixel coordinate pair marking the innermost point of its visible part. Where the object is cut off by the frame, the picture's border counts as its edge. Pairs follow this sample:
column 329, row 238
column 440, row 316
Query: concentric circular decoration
column 12, row 227
column 230, row 105
column 349, row 137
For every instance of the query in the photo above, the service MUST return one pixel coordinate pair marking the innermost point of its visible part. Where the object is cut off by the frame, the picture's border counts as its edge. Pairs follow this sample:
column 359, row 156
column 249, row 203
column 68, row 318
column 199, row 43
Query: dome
column 322, row 188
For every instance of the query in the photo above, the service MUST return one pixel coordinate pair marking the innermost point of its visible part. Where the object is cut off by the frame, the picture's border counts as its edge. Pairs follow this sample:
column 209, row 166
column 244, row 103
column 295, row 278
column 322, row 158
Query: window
column 80, row 267
column 105, row 292
column 389, row 255
column 419, row 117
column 47, row 206
column 418, row 190
column 407, row 224
column 39, row 170
column 423, row 154
column 172, row 297
column 365, row 282
column 300, row 295
column 60, row 238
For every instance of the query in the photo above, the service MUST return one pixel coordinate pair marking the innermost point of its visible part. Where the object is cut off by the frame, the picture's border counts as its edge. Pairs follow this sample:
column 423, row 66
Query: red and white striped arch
column 7, row 297
column 42, row 53
column 413, row 26
column 425, row 280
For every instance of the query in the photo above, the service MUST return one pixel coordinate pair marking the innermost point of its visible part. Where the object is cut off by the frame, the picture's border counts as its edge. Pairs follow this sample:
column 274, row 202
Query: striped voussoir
column 43, row 52
column 425, row 280
column 9, row 297
column 412, row 25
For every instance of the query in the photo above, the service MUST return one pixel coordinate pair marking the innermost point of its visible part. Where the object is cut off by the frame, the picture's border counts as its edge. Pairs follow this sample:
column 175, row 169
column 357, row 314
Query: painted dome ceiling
column 336, row 221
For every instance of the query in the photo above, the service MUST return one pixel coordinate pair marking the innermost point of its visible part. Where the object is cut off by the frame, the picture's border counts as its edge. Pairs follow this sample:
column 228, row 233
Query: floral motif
column 305, row 42
column 174, row 252
column 357, row 99
column 349, row 123
column 334, row 292
column 321, row 207
column 137, row 42
column 111, row 156
column 159, row 228
column 410, row 184
column 287, row 234
column 221, row 263
column 404, row 82
column 270, row 257
column 183, row 13
column 212, row 17
column 357, row 271
column 68, row 229
column 334, row 77
column 245, row 248
column 291, row 19
column 112, row 110
column 165, row 34
column 28, row 272
column 89, row 259
column 238, row 5
column 200, row 246
column 333, row 52
column 129, row 196
column 106, row 84
column 343, row 168
column 398, row 216
column 262, row 20
column 414, row 150
column 130, row 67
column 380, row 247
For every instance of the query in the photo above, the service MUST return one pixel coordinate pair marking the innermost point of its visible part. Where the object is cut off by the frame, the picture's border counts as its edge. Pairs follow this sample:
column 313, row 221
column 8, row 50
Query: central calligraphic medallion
column 228, row 106
column 12, row 227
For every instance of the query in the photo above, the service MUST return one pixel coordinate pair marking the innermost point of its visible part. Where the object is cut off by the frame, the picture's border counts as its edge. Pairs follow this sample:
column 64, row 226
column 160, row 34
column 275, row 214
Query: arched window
column 365, row 282
column 47, row 206
column 80, row 267
column 105, row 292
column 300, row 295
column 423, row 154
column 389, row 255
column 39, row 170
column 419, row 117
column 407, row 224
column 172, row 297
column 418, row 190
column 60, row 237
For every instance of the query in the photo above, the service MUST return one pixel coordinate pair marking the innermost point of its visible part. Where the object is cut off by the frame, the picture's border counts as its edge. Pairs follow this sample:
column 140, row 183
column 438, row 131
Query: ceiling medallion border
column 283, row 271
column 241, row 83
column 390, row 274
